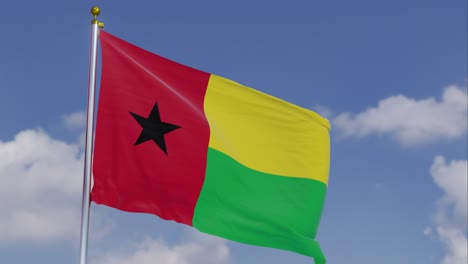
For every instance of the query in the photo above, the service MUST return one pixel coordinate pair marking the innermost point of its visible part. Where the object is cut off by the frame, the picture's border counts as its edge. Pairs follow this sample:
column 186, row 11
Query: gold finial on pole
column 95, row 11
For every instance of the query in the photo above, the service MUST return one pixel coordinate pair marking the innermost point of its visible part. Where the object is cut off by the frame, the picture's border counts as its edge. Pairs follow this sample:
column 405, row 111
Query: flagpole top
column 95, row 11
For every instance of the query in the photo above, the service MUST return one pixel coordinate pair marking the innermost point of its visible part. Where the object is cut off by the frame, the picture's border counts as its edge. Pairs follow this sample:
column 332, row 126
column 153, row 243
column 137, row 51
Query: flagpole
column 95, row 24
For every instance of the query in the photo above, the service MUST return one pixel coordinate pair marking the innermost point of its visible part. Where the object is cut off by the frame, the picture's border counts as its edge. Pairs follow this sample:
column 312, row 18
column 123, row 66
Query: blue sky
column 391, row 76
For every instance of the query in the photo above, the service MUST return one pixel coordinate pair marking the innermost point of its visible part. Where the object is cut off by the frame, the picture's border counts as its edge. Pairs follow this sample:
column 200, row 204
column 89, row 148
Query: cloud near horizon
column 76, row 120
column 410, row 121
column 41, row 188
column 450, row 216
column 197, row 249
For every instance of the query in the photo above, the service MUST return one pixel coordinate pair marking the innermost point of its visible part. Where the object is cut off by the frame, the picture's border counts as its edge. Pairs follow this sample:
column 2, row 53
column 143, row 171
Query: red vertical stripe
column 143, row 178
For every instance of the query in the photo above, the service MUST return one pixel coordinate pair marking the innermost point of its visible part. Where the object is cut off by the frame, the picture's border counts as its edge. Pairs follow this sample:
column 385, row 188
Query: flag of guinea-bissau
column 208, row 152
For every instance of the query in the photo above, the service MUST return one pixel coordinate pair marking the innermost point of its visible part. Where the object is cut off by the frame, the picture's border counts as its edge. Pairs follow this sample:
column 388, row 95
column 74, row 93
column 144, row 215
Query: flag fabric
column 208, row 152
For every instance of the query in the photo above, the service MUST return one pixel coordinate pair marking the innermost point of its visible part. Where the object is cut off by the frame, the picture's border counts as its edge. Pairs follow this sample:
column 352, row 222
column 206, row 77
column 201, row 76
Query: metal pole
column 89, row 137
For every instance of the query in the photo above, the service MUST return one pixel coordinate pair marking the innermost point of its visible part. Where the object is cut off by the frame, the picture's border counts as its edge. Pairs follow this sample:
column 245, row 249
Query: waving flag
column 208, row 152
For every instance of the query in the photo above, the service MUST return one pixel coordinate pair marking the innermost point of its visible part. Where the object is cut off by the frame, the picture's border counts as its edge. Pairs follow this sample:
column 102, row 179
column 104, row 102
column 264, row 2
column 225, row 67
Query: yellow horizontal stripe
column 265, row 133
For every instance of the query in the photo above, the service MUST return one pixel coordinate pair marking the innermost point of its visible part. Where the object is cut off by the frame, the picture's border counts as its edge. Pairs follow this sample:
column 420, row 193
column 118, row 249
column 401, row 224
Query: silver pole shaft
column 89, row 144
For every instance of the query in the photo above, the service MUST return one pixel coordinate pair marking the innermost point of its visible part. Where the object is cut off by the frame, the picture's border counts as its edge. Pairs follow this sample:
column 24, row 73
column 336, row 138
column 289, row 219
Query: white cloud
column 450, row 216
column 453, row 180
column 199, row 249
column 41, row 188
column 456, row 243
column 411, row 121
column 75, row 120
column 428, row 231
column 323, row 111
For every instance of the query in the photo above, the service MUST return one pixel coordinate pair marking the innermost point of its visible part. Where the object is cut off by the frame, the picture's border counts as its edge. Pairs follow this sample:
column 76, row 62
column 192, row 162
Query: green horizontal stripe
column 257, row 208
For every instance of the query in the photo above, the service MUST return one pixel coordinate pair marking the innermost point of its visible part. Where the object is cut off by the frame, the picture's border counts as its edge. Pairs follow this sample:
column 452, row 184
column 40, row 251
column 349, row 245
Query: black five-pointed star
column 153, row 128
